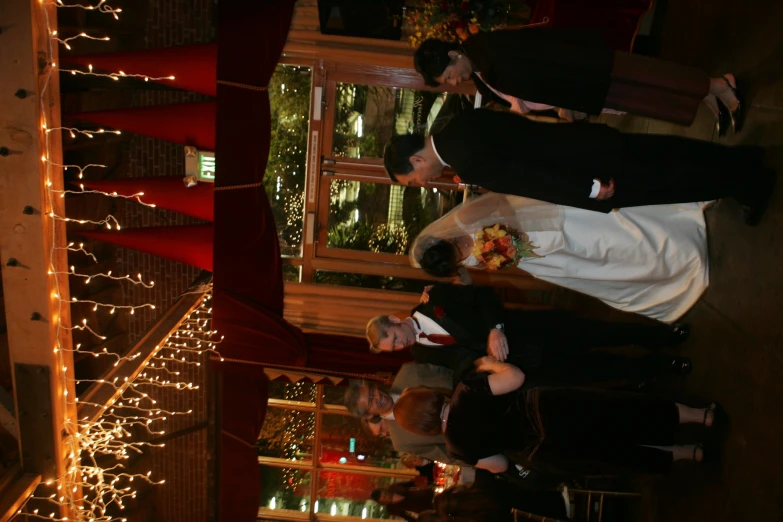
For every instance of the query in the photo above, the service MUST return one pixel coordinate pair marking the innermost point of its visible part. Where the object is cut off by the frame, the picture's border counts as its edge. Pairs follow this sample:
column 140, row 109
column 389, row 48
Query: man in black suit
column 459, row 324
column 590, row 166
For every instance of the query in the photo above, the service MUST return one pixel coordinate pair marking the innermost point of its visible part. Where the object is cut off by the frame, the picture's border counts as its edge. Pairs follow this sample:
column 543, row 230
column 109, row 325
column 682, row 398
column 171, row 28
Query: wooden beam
column 14, row 492
column 102, row 395
column 36, row 302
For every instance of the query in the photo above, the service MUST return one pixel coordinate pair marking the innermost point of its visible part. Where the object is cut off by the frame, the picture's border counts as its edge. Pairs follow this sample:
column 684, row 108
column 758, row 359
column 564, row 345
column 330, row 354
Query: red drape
column 190, row 244
column 248, row 283
column 194, row 67
column 619, row 19
column 167, row 192
column 336, row 353
column 184, row 123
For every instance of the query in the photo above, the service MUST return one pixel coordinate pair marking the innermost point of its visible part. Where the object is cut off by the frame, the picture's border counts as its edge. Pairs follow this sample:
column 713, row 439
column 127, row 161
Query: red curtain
column 337, row 353
column 183, row 123
column 191, row 244
column 248, row 283
column 194, row 67
column 167, row 192
column 619, row 19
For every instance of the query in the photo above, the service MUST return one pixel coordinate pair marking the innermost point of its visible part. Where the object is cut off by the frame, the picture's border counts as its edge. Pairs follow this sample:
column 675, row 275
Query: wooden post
column 37, row 307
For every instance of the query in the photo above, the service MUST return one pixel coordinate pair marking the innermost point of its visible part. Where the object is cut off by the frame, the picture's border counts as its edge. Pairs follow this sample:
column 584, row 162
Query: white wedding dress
column 649, row 260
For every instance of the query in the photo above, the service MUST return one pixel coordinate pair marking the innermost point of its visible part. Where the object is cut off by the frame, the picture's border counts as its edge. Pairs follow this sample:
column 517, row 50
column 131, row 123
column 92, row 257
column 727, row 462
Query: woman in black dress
column 574, row 69
column 570, row 429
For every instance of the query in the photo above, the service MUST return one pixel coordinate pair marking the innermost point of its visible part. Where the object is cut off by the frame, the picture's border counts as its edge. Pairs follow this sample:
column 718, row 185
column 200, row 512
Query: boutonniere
column 439, row 312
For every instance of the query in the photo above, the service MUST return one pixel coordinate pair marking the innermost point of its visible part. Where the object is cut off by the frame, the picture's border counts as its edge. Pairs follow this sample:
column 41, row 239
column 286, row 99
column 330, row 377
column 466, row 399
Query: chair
column 589, row 507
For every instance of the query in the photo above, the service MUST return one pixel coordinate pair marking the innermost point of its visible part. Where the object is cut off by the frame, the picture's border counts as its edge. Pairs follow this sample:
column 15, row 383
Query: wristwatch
column 500, row 327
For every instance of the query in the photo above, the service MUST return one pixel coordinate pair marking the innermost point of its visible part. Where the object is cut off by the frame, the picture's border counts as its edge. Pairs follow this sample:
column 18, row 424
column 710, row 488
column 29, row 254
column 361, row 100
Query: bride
column 649, row 260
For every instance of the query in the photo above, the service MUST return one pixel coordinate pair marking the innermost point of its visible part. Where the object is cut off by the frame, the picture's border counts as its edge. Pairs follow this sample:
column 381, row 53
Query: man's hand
column 425, row 295
column 485, row 364
column 565, row 114
column 606, row 191
column 497, row 344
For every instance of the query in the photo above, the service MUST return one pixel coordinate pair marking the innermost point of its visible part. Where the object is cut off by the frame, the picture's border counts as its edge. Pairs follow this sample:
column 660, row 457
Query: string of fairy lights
column 97, row 484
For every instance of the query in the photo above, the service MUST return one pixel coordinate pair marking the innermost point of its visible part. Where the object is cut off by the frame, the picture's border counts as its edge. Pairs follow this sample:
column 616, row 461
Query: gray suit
column 416, row 374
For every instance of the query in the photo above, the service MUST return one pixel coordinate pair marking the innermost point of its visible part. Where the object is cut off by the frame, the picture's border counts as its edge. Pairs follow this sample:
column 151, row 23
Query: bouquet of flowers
column 498, row 247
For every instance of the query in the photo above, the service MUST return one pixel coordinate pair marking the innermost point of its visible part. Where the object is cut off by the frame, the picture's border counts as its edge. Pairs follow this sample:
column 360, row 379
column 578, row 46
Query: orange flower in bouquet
column 499, row 246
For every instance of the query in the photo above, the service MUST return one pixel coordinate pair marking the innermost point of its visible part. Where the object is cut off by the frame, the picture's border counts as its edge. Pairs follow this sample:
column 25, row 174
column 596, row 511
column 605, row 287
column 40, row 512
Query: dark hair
column 399, row 149
column 418, row 410
column 351, row 397
column 440, row 260
column 376, row 495
column 432, row 58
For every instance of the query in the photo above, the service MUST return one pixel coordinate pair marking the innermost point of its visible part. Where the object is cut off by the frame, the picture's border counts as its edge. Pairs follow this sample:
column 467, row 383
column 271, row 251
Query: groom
column 460, row 323
column 590, row 166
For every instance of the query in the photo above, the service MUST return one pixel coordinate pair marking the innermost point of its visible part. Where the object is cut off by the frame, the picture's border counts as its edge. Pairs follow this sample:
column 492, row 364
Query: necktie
column 443, row 339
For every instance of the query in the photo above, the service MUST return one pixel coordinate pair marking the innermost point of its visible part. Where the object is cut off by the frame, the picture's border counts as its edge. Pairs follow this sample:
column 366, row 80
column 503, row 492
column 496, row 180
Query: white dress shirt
column 427, row 326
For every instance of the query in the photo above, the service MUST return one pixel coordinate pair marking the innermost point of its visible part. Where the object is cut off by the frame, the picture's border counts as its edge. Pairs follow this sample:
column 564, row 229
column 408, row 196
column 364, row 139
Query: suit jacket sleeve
column 416, row 374
column 480, row 298
column 508, row 153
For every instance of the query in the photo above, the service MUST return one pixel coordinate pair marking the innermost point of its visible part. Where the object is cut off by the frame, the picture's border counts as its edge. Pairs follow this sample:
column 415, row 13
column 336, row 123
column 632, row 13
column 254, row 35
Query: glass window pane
column 285, row 489
column 297, row 391
column 368, row 115
column 292, row 273
column 344, row 441
column 287, row 434
column 399, row 284
column 382, row 218
column 347, row 494
column 284, row 182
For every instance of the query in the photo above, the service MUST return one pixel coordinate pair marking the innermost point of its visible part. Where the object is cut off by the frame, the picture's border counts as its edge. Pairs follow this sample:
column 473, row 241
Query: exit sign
column 206, row 166
column 199, row 166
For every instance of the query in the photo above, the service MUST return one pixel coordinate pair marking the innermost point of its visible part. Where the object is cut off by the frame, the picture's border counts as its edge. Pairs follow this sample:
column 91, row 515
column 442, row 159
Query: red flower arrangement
column 499, row 246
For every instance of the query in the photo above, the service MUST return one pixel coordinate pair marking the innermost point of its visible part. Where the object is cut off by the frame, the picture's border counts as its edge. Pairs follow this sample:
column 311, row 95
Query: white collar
column 436, row 153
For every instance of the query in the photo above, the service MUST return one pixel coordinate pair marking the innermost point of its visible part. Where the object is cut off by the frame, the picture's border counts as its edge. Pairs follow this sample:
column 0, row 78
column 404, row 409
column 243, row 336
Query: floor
column 737, row 327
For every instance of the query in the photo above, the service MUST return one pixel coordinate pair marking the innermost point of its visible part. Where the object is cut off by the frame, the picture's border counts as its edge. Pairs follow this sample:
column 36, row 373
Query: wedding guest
column 573, row 69
column 425, row 467
column 404, row 499
column 649, row 260
column 366, row 399
column 590, row 166
column 489, row 498
column 459, row 324
column 571, row 429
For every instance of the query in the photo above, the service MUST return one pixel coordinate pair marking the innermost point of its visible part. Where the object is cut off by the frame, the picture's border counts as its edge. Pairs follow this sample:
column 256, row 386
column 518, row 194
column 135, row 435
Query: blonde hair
column 377, row 330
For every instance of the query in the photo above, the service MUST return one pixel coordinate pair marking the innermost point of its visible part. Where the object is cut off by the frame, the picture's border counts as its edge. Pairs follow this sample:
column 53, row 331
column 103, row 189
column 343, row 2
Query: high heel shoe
column 723, row 120
column 737, row 115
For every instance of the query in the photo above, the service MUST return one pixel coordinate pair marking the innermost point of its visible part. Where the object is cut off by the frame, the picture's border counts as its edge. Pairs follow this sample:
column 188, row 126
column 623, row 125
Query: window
column 316, row 460
column 285, row 179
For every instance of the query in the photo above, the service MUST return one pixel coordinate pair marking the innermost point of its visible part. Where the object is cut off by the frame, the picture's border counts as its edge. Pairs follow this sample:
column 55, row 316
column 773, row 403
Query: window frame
column 315, row 467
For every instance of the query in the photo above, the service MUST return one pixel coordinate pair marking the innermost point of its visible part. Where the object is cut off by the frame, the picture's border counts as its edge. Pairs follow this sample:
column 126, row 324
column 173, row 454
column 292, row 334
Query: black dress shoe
column 680, row 365
column 678, row 334
column 723, row 119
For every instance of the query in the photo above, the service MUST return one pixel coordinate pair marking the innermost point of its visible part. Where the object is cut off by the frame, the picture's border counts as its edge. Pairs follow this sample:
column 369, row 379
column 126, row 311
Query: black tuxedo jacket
column 508, row 153
column 568, row 68
column 468, row 313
